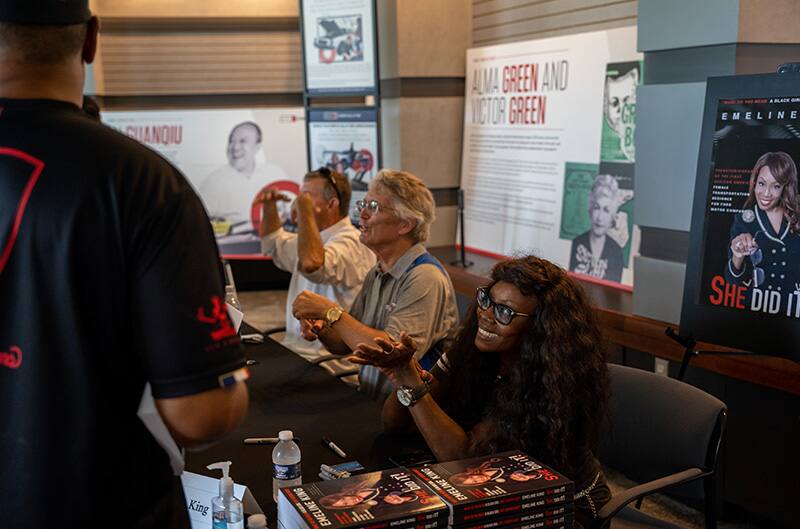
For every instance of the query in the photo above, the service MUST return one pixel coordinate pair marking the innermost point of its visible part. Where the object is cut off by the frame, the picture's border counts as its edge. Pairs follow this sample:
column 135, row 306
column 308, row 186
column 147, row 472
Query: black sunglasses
column 503, row 314
column 328, row 175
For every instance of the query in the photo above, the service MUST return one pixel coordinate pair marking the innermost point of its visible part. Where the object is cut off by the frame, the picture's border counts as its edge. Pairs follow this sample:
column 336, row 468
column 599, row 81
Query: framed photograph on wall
column 346, row 140
column 339, row 47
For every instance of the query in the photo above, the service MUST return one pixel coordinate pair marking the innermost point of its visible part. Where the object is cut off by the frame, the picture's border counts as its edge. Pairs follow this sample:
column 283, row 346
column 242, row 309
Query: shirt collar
column 405, row 261
column 766, row 225
column 335, row 228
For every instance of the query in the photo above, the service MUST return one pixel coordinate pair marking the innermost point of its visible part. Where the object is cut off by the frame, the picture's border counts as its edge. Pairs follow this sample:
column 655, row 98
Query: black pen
column 330, row 444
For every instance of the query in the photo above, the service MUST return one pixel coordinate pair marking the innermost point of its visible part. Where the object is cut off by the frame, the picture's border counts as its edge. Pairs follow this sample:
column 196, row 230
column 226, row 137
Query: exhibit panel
column 548, row 152
column 229, row 156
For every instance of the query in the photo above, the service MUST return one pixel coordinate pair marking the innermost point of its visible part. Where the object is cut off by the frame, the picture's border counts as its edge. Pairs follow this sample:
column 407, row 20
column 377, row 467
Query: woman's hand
column 394, row 359
column 308, row 305
column 743, row 245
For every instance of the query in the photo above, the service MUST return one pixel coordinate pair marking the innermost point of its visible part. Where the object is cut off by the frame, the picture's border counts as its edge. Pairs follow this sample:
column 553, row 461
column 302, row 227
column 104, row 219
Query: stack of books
column 390, row 498
column 502, row 490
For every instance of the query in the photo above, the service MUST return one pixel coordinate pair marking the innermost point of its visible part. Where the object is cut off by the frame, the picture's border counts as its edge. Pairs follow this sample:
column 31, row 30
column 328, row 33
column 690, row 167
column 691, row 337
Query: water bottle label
column 219, row 521
column 286, row 471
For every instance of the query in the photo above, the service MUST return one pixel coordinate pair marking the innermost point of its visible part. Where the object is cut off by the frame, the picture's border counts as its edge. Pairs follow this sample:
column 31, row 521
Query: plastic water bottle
column 285, row 463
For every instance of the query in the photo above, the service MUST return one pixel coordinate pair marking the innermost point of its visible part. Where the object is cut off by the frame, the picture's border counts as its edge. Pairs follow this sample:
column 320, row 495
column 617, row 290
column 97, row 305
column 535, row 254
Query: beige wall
column 769, row 21
column 432, row 36
column 423, row 38
column 423, row 47
column 195, row 8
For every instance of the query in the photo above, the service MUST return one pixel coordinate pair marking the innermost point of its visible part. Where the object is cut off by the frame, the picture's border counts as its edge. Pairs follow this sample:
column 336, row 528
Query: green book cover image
column 619, row 112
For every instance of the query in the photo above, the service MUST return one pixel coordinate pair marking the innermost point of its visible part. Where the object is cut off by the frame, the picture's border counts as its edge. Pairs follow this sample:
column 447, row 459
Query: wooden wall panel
column 188, row 62
column 498, row 21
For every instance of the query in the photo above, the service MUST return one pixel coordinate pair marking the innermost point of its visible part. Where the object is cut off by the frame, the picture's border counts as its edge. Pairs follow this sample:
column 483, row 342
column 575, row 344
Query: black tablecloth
column 288, row 393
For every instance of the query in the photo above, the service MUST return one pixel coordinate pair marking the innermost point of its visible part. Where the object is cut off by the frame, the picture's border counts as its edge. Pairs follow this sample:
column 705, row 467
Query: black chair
column 663, row 433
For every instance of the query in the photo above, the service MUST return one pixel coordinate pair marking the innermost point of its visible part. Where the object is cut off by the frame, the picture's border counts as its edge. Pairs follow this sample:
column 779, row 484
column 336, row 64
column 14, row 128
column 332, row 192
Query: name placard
column 199, row 490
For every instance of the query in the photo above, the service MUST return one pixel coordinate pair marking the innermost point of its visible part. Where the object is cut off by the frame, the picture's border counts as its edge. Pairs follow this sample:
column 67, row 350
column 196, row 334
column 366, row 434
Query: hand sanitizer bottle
column 226, row 510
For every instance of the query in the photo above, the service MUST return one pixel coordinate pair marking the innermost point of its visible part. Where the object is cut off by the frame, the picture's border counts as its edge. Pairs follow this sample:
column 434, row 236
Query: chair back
column 659, row 426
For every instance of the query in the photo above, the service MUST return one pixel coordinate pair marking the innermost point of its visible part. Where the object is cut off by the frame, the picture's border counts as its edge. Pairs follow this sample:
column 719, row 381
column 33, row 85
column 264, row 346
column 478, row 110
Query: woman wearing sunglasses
column 525, row 371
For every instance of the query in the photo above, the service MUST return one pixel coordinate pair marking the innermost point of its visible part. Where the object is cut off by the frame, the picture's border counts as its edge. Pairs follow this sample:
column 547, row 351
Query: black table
column 288, row 393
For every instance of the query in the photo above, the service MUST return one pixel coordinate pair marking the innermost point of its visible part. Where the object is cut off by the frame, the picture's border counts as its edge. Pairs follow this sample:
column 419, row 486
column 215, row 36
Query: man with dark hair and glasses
column 408, row 290
column 324, row 256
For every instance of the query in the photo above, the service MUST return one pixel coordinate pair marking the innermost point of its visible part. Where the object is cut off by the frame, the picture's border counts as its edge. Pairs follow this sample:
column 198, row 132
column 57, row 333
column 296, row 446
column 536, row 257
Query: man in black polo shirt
column 109, row 278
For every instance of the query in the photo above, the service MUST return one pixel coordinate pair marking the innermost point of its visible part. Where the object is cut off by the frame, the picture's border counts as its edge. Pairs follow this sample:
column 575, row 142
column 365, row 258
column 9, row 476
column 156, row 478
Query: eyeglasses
column 328, row 175
column 758, row 272
column 372, row 206
column 503, row 314
column 755, row 258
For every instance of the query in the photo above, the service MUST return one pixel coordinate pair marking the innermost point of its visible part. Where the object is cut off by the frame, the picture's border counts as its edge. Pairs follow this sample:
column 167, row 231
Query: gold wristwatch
column 333, row 314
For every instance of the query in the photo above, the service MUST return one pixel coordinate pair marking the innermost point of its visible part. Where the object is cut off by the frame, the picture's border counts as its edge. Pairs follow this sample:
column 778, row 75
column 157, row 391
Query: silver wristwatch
column 408, row 396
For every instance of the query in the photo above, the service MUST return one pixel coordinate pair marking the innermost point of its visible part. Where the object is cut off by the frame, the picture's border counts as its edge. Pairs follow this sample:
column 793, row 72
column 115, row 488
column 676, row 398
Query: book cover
column 389, row 498
column 529, row 520
column 475, row 487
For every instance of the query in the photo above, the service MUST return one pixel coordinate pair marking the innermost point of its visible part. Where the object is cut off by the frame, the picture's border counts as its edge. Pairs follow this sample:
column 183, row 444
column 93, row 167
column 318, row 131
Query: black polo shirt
column 109, row 278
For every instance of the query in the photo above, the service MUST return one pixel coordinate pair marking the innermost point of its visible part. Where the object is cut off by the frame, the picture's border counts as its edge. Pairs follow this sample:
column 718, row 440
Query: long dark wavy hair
column 552, row 405
column 784, row 171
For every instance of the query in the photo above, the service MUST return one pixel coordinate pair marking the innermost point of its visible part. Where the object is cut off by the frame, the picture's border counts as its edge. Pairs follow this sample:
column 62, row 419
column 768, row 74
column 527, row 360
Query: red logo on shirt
column 222, row 327
column 32, row 176
column 11, row 359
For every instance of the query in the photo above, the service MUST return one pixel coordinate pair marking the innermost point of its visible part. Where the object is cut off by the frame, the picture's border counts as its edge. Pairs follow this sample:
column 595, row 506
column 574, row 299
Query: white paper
column 235, row 315
column 152, row 420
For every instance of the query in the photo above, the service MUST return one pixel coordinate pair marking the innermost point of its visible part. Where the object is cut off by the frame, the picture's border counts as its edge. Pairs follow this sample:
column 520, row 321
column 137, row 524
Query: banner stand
column 690, row 352
column 462, row 261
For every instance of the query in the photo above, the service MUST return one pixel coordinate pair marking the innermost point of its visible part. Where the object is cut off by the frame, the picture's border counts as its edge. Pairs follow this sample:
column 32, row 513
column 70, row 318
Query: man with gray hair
column 408, row 290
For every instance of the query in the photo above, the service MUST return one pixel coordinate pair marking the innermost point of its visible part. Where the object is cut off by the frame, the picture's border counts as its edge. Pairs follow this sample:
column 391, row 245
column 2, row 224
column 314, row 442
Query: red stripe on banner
column 484, row 252
column 23, row 202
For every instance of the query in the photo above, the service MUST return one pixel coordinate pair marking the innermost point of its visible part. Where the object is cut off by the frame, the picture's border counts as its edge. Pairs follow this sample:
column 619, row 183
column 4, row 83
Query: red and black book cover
column 495, row 486
column 379, row 500
column 518, row 515
column 563, row 521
